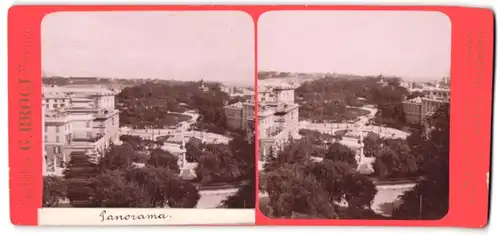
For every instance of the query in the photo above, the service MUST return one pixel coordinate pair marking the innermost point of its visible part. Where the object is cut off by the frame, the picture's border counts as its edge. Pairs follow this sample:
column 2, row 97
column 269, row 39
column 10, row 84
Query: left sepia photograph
column 148, row 109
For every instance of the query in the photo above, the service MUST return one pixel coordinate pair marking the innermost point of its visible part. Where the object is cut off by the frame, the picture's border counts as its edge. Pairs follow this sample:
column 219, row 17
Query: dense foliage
column 244, row 198
column 328, row 98
column 116, row 181
column 119, row 180
column 224, row 163
column 158, row 105
column 243, row 148
column 297, row 184
column 394, row 159
column 430, row 197
column 341, row 153
column 54, row 190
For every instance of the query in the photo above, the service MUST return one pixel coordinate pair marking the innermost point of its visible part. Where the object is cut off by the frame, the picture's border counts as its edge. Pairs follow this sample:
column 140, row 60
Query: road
column 213, row 198
column 387, row 197
column 185, row 125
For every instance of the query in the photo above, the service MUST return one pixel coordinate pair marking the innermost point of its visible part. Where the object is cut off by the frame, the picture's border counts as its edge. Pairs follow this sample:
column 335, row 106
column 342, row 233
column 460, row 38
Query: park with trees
column 335, row 99
column 138, row 173
column 160, row 105
column 297, row 183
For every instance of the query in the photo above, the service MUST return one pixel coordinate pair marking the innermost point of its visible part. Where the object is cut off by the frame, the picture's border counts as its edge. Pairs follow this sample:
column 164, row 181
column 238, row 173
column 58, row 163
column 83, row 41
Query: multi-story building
column 240, row 115
column 278, row 116
column 417, row 110
column 77, row 119
column 435, row 99
column 413, row 110
column 234, row 116
column 284, row 94
column 280, row 123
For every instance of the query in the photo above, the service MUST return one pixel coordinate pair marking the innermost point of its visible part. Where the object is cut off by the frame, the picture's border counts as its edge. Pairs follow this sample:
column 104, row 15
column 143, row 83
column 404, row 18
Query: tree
column 217, row 164
column 395, row 159
column 79, row 176
column 161, row 158
column 113, row 190
column 331, row 176
column 243, row 151
column 117, row 157
column 296, row 152
column 182, row 194
column 429, row 199
column 344, row 184
column 290, row 190
column 194, row 148
column 227, row 163
column 372, row 144
column 164, row 188
column 244, row 197
column 295, row 184
column 341, row 153
column 151, row 105
column 359, row 191
column 54, row 190
column 115, row 182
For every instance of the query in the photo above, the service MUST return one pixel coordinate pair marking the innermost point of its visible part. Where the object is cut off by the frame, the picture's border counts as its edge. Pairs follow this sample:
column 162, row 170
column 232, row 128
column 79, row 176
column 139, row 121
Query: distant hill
column 285, row 76
column 111, row 83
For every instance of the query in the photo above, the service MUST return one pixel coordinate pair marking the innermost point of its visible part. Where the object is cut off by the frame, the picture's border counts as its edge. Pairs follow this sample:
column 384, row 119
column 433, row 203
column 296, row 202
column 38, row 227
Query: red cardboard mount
column 471, row 109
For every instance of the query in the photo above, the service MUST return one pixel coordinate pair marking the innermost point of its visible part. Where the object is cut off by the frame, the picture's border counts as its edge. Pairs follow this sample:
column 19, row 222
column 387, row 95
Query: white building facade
column 77, row 118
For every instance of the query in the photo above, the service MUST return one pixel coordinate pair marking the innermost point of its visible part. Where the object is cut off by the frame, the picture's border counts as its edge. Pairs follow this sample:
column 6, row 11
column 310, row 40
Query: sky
column 410, row 44
column 209, row 45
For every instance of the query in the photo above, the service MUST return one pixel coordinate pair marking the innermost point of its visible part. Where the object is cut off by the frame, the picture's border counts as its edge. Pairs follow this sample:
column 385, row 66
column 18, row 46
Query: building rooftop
column 437, row 99
column 88, row 89
column 437, row 88
column 55, row 95
column 284, row 87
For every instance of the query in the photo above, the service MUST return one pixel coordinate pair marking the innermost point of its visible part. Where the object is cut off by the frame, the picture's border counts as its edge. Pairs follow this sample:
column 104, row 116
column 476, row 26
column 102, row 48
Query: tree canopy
column 116, row 181
column 227, row 163
column 54, row 190
column 394, row 159
column 157, row 105
column 429, row 199
column 297, row 184
column 341, row 153
column 328, row 98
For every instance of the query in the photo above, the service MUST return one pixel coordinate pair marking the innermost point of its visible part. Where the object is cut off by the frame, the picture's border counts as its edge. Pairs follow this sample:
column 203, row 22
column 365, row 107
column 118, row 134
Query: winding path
column 213, row 198
column 330, row 128
column 183, row 129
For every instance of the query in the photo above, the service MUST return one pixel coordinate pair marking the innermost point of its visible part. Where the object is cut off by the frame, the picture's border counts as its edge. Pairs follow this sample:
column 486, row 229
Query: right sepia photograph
column 354, row 114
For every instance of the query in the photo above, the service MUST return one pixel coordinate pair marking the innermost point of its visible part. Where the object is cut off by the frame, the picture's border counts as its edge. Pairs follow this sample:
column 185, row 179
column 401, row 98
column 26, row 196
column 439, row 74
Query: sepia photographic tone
column 353, row 114
column 148, row 110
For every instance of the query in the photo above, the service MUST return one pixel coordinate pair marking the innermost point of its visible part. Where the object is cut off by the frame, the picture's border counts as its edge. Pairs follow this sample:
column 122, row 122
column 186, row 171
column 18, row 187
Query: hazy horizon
column 409, row 44
column 214, row 46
